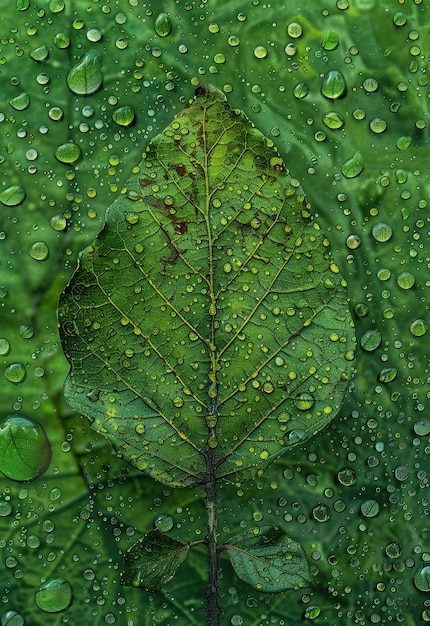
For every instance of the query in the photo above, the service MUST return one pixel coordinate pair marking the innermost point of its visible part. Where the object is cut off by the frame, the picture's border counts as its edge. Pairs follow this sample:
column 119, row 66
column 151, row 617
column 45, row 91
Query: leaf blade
column 269, row 561
column 153, row 560
column 208, row 315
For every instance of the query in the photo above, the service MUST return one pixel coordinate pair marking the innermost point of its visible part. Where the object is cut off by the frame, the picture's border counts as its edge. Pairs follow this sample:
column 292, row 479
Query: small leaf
column 269, row 561
column 153, row 560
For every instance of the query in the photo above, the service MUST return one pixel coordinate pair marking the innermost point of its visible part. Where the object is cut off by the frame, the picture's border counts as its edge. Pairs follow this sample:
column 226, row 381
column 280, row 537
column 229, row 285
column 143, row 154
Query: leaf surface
column 153, row 560
column 269, row 561
column 208, row 319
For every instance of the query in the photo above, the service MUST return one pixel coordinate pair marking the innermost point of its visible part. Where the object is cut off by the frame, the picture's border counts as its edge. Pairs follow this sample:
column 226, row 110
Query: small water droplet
column 54, row 595
column 86, row 76
column 418, row 328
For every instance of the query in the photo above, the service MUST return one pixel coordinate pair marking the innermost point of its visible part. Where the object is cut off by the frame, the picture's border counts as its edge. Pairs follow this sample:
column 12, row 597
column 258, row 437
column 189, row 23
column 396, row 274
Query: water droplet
column 294, row 30
column 62, row 40
column 371, row 340
column 422, row 578
column 387, row 374
column 12, row 618
column 353, row 242
column 54, row 595
column 58, row 222
column 393, row 550
column 347, row 477
column 321, row 512
column 12, row 196
column 68, row 152
column 370, row 85
column 334, row 85
column 40, row 54
column 20, row 102
column 353, row 166
column 163, row 25
column 234, row 41
column 378, row 125
column 422, row 427
column 300, row 91
column 94, row 34
column 418, row 328
column 25, row 451
column 333, row 120
column 370, row 508
column 330, row 40
column 124, row 116
column 86, row 76
column 260, row 52
column 39, row 251
column 312, row 612
column 164, row 523
column 406, row 280
column 15, row 372
column 399, row 19
column 382, row 232
column 304, row 401
column 4, row 346
column 403, row 143
column 26, row 331
column 401, row 472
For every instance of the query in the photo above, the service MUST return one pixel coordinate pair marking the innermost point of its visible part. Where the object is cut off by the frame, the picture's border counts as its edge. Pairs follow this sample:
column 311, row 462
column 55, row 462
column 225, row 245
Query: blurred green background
column 342, row 89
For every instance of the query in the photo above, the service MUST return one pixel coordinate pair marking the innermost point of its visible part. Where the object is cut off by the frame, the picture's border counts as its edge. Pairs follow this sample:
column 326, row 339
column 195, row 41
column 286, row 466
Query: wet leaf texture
column 208, row 317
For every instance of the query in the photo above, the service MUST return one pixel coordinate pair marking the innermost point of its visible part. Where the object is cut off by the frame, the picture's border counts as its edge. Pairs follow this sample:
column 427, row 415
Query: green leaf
column 153, row 560
column 207, row 326
column 269, row 561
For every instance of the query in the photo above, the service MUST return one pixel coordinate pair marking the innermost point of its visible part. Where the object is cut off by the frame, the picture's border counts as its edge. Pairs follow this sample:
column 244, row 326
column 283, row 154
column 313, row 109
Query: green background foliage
column 356, row 495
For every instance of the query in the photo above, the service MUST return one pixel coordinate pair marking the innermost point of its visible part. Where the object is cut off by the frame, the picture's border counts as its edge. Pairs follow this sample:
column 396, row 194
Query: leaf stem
column 212, row 608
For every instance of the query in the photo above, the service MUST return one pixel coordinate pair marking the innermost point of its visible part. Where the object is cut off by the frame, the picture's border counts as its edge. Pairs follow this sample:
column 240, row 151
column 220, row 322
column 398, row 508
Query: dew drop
column 382, row 232
column 124, row 116
column 312, row 612
column 406, row 280
column 300, row 91
column 39, row 251
column 15, row 372
column 294, row 30
column 304, row 401
column 164, row 523
column 4, row 346
column 393, row 550
column 333, row 120
column 68, row 152
column 347, row 477
column 370, row 508
column 260, row 52
column 25, row 451
column 387, row 374
column 40, row 54
column 334, row 85
column 12, row 618
column 20, row 102
column 54, row 595
column 422, row 427
column 86, row 76
column 13, row 195
column 418, row 328
column 422, row 579
column 353, row 166
column 163, row 25
column 378, row 125
column 371, row 340
column 58, row 222
column 330, row 40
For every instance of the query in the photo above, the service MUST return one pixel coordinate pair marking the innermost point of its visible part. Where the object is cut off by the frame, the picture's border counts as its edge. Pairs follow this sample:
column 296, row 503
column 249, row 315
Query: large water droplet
column 12, row 618
column 39, row 251
column 20, row 102
column 422, row 578
column 54, row 596
column 25, row 451
column 15, row 372
column 353, row 166
column 86, row 76
column 124, row 116
column 334, row 85
column 371, row 340
column 163, row 25
column 68, row 152
column 12, row 196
